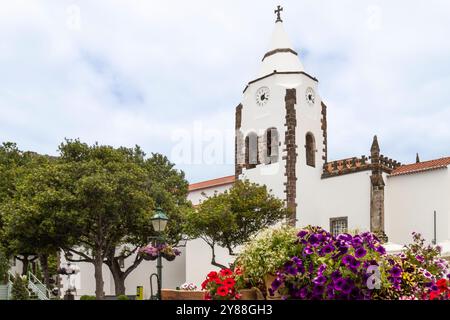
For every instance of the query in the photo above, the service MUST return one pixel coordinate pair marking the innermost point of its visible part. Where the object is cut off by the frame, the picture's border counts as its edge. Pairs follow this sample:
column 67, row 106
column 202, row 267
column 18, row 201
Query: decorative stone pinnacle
column 278, row 13
column 375, row 146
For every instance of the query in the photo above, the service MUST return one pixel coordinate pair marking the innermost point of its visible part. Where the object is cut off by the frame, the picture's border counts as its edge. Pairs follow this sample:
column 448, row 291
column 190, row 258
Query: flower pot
column 169, row 294
column 148, row 257
column 169, row 257
column 268, row 279
column 251, row 294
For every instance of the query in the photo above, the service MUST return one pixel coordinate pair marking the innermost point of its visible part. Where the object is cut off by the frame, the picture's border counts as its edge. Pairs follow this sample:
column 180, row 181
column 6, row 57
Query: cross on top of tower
column 278, row 13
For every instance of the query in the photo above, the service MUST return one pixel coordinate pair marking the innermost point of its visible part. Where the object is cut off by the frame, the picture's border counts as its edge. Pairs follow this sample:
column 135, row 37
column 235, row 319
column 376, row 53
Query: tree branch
column 213, row 258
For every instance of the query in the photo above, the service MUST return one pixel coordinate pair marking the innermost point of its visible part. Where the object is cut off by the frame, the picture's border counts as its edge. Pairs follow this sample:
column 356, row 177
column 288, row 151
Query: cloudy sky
column 155, row 72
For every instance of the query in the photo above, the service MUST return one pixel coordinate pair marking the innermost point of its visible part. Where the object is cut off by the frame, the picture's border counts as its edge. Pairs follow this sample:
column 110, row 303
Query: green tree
column 232, row 218
column 115, row 192
column 36, row 223
column 168, row 189
column 14, row 165
column 19, row 288
column 4, row 266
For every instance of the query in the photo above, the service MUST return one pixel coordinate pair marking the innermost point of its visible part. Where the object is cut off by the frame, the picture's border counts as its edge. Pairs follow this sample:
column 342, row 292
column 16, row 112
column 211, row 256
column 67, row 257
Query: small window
column 338, row 225
column 272, row 145
column 310, row 147
column 251, row 150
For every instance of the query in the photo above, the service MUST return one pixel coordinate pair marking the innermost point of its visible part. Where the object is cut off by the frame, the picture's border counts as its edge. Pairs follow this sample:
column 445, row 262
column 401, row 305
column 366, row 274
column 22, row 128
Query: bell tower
column 281, row 124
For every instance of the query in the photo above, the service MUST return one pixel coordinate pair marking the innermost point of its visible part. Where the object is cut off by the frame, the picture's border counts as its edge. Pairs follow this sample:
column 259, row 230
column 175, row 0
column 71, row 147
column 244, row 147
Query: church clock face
column 262, row 96
column 310, row 96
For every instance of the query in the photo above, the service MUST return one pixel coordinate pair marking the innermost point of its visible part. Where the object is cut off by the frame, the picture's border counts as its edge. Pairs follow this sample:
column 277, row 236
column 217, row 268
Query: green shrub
column 19, row 288
column 4, row 267
column 267, row 253
column 86, row 297
column 122, row 297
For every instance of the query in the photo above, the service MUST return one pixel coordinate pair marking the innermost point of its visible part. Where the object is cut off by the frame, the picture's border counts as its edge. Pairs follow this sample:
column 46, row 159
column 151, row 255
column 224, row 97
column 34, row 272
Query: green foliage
column 4, row 266
column 266, row 253
column 232, row 218
column 122, row 297
column 86, row 297
column 19, row 288
column 97, row 197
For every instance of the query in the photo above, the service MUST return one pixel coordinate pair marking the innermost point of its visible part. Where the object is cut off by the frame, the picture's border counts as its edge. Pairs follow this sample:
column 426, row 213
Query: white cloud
column 134, row 72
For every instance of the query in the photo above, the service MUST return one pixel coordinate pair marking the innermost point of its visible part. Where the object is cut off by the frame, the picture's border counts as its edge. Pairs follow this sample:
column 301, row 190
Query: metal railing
column 38, row 288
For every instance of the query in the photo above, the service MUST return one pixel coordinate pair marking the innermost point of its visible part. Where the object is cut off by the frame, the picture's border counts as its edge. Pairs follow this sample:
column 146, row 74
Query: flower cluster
column 151, row 252
column 422, row 269
column 343, row 267
column 441, row 290
column 189, row 286
column 220, row 285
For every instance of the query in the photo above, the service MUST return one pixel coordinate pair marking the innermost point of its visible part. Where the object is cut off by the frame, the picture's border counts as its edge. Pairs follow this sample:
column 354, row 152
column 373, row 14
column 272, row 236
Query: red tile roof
column 421, row 166
column 211, row 183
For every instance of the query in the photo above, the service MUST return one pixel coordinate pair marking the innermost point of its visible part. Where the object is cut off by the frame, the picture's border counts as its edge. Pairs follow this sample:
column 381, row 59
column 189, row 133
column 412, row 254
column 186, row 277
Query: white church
column 281, row 142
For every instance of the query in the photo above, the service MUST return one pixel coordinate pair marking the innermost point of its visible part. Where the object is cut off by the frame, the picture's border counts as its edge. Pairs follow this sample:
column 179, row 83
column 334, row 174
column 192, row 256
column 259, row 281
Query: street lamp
column 159, row 222
column 68, row 269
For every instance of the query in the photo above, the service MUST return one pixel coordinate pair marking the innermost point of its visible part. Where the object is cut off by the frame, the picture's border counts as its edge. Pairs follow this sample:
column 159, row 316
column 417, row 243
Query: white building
column 281, row 141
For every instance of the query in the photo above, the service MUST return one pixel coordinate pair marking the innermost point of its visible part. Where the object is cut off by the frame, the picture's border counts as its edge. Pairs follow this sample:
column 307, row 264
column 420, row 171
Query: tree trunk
column 118, row 276
column 98, row 273
column 119, row 283
column 213, row 258
column 25, row 264
column 43, row 260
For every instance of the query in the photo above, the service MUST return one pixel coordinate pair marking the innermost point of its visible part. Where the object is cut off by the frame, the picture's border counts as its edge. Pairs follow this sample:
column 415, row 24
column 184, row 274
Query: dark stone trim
column 352, row 165
column 291, row 155
column 272, row 52
column 238, row 122
column 324, row 132
column 281, row 72
column 377, row 189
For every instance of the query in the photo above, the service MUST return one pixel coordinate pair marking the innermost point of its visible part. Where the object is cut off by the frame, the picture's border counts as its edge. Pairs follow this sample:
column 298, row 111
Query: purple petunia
column 335, row 275
column 292, row 270
column 381, row 250
column 320, row 280
column 360, row 252
column 308, row 251
column 347, row 287
column 396, row 271
column 303, row 293
column 338, row 284
column 347, row 259
column 313, row 240
column 420, row 258
column 302, row 233
column 322, row 268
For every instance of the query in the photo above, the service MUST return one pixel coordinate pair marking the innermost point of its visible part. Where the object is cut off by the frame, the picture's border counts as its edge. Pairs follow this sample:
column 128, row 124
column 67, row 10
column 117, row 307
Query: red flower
column 222, row 291
column 229, row 282
column 238, row 271
column 204, row 283
column 434, row 295
column 217, row 280
column 238, row 296
column 226, row 272
column 212, row 275
column 207, row 296
column 442, row 284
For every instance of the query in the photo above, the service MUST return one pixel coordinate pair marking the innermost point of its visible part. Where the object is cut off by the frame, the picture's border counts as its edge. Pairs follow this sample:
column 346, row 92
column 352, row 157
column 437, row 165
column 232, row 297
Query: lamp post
column 69, row 270
column 159, row 222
